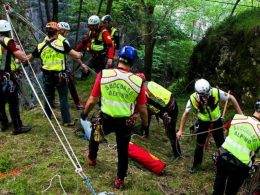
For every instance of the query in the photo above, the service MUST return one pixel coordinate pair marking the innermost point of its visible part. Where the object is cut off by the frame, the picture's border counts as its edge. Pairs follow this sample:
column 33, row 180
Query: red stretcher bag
column 145, row 158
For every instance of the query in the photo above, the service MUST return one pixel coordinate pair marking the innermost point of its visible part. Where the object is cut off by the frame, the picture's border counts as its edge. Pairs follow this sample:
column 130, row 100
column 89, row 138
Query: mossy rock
column 228, row 56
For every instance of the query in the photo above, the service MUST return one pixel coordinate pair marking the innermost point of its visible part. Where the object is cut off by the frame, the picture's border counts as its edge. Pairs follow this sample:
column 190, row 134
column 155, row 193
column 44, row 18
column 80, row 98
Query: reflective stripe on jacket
column 119, row 91
column 3, row 55
column 205, row 112
column 157, row 94
column 97, row 44
column 243, row 138
column 52, row 54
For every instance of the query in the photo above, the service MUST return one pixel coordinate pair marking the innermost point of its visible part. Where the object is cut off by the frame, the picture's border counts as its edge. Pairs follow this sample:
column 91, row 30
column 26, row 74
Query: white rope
column 78, row 168
column 112, row 146
column 51, row 184
column 136, row 135
column 76, row 164
column 193, row 134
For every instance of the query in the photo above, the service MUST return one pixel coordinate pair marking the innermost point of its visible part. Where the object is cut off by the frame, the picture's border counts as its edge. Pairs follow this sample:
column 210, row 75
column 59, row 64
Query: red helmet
column 52, row 25
column 141, row 75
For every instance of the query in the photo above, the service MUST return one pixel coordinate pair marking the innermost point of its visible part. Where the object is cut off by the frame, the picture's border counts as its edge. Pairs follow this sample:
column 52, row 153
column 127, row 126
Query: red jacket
column 107, row 41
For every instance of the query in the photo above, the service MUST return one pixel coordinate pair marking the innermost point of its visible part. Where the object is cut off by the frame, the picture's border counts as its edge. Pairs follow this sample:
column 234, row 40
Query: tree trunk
column 148, row 58
column 47, row 10
column 149, row 42
column 55, row 10
column 78, row 22
column 99, row 7
column 109, row 6
column 40, row 14
column 234, row 8
column 78, row 26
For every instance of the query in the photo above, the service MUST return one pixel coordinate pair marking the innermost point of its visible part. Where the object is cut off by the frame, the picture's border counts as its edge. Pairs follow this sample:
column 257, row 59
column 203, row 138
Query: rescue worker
column 205, row 101
column 8, row 83
column 114, row 33
column 236, row 155
column 160, row 102
column 63, row 33
column 52, row 54
column 120, row 90
column 99, row 44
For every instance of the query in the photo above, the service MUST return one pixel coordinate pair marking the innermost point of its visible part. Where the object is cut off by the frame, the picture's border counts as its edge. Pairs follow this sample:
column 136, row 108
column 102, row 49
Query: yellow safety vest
column 52, row 54
column 3, row 56
column 207, row 113
column 157, row 94
column 98, row 44
column 113, row 30
column 61, row 38
column 119, row 91
column 243, row 138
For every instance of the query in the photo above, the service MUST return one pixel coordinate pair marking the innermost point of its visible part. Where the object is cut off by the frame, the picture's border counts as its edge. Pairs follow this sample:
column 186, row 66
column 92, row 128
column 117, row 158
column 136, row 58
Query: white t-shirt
column 223, row 96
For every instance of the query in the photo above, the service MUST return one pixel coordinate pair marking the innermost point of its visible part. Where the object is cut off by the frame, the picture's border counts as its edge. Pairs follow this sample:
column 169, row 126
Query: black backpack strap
column 48, row 43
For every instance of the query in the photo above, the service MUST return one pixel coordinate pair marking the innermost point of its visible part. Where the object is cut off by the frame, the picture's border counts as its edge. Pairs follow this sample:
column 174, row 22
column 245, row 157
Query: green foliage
column 177, row 87
column 170, row 59
column 243, row 21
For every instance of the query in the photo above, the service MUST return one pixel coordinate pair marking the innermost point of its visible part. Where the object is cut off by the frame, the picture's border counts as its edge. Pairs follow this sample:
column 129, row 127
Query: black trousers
column 170, row 128
column 13, row 102
column 123, row 135
column 218, row 136
column 229, row 177
column 73, row 90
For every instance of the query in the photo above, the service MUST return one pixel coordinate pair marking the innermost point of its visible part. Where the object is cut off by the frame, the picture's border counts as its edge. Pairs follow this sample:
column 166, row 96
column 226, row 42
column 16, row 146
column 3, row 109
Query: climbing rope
column 194, row 134
column 71, row 154
column 51, row 184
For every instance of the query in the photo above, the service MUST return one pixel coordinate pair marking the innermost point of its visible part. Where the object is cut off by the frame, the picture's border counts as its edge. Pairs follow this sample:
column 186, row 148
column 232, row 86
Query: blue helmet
column 128, row 54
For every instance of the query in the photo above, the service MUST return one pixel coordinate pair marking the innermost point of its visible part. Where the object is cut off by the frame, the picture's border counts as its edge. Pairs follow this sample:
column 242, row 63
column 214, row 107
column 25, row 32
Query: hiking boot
column 119, row 183
column 194, row 169
column 70, row 124
column 23, row 129
column 91, row 162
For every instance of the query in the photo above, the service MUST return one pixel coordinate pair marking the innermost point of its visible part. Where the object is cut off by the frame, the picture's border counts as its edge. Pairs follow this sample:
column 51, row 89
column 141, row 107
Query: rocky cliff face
column 229, row 56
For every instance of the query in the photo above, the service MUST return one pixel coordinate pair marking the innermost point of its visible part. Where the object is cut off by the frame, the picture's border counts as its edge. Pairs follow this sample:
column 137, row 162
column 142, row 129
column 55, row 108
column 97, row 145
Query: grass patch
column 42, row 152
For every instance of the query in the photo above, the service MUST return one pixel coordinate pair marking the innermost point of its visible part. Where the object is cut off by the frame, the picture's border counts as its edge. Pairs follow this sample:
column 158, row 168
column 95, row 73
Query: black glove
column 83, row 115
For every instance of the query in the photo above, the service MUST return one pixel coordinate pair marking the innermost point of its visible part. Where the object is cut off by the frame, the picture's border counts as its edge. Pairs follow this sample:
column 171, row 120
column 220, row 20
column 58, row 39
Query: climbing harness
column 66, row 146
column 97, row 127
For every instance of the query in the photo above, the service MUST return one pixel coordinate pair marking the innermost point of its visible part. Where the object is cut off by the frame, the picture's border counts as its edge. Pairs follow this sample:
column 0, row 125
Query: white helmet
column 202, row 87
column 5, row 26
column 93, row 20
column 64, row 26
